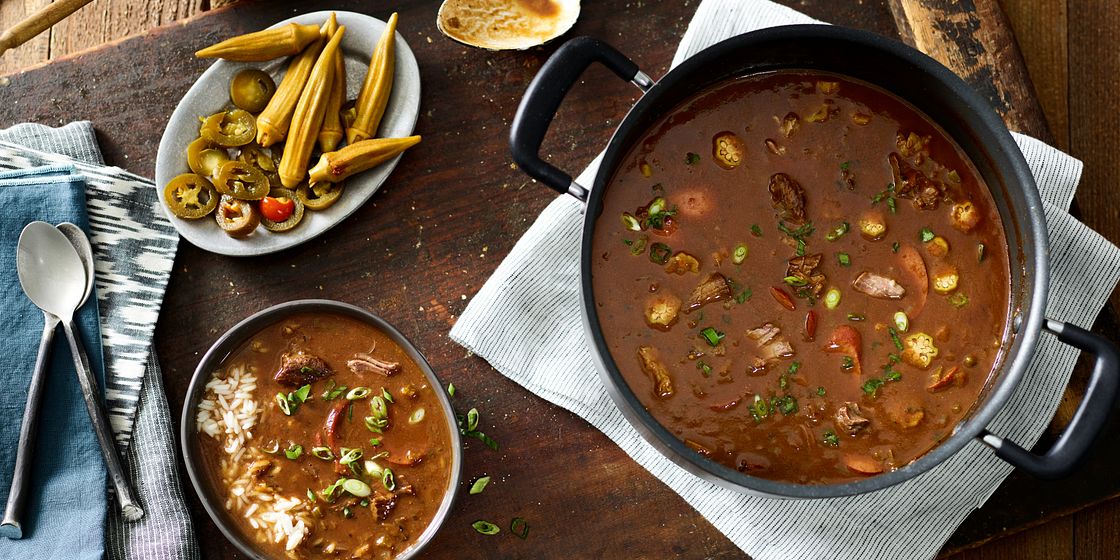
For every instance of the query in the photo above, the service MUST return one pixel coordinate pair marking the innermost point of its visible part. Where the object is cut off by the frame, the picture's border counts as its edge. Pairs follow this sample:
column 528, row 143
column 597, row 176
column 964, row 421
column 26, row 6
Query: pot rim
column 238, row 335
column 1024, row 321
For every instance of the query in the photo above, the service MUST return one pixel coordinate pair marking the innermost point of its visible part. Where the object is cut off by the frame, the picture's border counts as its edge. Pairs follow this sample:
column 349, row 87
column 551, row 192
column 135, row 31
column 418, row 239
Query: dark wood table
column 423, row 245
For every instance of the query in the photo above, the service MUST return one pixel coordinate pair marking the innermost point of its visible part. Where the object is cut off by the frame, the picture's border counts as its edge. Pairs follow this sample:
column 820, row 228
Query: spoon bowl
column 81, row 244
column 50, row 270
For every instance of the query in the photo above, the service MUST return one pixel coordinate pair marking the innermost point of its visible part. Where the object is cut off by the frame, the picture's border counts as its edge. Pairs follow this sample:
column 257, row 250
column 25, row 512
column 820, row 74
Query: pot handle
column 543, row 98
column 1091, row 416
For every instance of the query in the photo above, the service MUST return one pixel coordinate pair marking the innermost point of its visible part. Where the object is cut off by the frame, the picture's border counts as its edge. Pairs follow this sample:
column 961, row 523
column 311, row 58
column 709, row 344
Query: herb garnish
column 519, row 527
column 958, row 300
column 926, row 235
column 979, row 252
column 691, row 158
column 756, row 231
column 845, row 165
column 799, row 234
column 479, row 485
column 712, row 336
column 820, row 391
column 485, row 527
column 704, row 368
column 659, row 253
column 830, row 439
column 895, row 247
column 885, row 194
column 844, row 259
column 871, row 386
column 293, row 451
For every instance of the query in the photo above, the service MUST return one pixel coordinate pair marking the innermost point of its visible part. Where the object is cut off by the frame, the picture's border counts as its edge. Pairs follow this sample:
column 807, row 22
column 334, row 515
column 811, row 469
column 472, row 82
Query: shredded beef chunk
column 910, row 182
column 299, row 368
column 848, row 418
column 804, row 268
column 713, row 288
column 364, row 363
column 878, row 286
column 788, row 196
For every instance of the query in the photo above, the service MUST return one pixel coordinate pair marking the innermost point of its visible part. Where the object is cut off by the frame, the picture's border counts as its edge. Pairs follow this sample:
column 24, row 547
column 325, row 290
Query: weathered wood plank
column 32, row 52
column 1097, row 532
column 1040, row 27
column 105, row 20
column 1051, row 541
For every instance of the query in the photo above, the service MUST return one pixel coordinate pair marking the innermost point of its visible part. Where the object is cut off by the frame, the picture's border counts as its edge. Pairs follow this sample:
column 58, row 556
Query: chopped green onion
column 349, row 455
column 845, row 165
column 757, row 231
column 760, row 409
column 844, row 259
column 639, row 246
column 820, row 391
column 979, row 252
column 302, row 393
column 479, row 485
column 691, row 158
column 293, row 451
column 417, row 416
column 272, row 447
column 895, row 247
column 519, row 527
column 711, row 335
column 323, row 453
column 901, row 321
column 328, row 492
column 871, row 386
column 358, row 393
column 386, row 395
column 857, row 317
column 837, row 232
column 356, row 487
column 372, row 469
column 657, row 206
column 830, row 438
column 630, row 222
column 740, row 254
column 451, row 389
column 795, row 281
column 332, row 392
column 282, row 402
column 374, row 442
column 704, row 368
column 388, row 480
column 847, row 363
column 892, row 205
column 894, row 375
column 926, row 235
column 659, row 253
column 958, row 300
column 794, row 367
column 375, row 424
column 472, row 419
column 487, row 440
column 743, row 295
column 894, row 338
column 485, row 527
column 310, row 495
column 347, row 513
column 832, row 298
column 378, row 407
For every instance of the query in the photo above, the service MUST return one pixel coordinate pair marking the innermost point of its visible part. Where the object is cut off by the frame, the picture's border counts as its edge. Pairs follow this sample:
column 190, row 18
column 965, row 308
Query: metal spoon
column 56, row 282
column 11, row 526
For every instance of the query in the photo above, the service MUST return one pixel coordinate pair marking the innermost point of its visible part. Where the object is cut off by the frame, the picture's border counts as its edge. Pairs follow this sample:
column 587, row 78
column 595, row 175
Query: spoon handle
column 12, row 526
column 129, row 508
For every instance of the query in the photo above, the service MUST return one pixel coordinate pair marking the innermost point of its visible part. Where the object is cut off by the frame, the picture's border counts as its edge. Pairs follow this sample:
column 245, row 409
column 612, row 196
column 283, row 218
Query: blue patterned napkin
column 66, row 507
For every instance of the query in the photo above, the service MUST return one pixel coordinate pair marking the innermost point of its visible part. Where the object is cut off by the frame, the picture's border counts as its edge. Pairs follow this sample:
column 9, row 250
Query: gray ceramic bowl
column 241, row 333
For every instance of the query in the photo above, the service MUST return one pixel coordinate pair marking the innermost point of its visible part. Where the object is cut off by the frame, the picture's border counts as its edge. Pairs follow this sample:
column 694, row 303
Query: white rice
column 228, row 413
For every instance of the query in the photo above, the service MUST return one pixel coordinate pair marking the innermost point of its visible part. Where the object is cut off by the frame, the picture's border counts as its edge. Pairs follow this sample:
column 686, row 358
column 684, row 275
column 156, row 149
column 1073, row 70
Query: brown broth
column 716, row 209
column 419, row 487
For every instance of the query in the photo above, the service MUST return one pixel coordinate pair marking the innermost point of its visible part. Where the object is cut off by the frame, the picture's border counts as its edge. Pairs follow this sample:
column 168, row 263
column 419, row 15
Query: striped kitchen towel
column 526, row 322
column 134, row 248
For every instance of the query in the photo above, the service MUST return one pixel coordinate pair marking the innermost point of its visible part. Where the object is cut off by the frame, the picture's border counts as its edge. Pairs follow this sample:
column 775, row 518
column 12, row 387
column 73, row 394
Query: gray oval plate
column 210, row 94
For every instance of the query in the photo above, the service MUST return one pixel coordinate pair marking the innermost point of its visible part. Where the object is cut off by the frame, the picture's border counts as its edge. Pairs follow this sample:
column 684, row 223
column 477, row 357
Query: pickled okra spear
column 273, row 122
column 264, row 45
column 308, row 116
column 374, row 95
column 330, row 134
column 358, row 157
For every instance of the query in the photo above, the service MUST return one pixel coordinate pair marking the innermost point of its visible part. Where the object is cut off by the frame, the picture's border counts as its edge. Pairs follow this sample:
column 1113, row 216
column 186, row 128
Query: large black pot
column 934, row 90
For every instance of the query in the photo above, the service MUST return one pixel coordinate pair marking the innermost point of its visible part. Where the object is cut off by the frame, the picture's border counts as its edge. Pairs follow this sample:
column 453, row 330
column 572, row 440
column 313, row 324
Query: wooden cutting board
column 453, row 209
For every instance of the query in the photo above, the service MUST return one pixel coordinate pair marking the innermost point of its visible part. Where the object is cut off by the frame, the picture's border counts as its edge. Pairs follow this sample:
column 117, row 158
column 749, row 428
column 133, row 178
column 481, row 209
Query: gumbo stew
column 802, row 277
column 325, row 440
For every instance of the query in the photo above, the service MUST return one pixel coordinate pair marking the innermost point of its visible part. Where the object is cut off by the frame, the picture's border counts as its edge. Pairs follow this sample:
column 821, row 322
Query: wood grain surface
column 420, row 248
